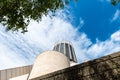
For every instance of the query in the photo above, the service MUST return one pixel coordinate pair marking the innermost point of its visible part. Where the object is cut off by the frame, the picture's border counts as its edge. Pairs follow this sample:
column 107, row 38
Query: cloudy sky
column 93, row 27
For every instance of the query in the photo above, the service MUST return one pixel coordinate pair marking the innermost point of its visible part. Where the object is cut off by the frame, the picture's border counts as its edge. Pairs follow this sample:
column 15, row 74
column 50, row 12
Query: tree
column 115, row 2
column 16, row 14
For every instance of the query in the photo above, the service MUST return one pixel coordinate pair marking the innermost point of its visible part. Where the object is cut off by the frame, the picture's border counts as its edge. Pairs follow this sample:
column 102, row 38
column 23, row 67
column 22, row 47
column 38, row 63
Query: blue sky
column 97, row 16
column 93, row 26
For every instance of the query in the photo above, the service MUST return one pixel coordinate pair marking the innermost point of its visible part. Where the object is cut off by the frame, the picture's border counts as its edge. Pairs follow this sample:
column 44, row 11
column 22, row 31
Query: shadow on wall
column 105, row 68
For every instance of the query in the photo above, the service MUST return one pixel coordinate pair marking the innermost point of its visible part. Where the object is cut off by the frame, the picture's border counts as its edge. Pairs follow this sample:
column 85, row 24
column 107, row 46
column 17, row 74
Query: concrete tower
column 47, row 62
column 62, row 56
column 67, row 49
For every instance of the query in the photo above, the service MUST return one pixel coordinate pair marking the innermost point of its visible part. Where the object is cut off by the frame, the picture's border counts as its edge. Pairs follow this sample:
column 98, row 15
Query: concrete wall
column 105, row 68
column 47, row 62
column 14, row 72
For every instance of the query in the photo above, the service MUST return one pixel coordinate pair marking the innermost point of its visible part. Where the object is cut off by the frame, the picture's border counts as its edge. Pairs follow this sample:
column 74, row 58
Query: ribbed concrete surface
column 6, row 74
column 22, row 77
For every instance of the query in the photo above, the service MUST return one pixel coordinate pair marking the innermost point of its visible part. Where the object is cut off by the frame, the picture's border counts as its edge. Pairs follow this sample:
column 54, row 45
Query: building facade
column 61, row 64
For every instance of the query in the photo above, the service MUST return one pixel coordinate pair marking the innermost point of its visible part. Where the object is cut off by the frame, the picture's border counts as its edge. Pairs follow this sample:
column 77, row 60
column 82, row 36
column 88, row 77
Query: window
column 62, row 48
column 72, row 55
column 57, row 48
column 67, row 50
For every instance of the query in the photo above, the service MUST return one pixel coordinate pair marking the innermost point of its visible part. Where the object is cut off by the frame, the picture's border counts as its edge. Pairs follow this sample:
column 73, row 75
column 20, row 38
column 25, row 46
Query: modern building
column 61, row 64
column 67, row 49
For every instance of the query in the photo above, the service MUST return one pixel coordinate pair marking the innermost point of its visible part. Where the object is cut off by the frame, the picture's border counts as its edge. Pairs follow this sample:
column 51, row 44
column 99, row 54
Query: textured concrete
column 105, row 68
column 22, row 77
column 48, row 62
column 14, row 72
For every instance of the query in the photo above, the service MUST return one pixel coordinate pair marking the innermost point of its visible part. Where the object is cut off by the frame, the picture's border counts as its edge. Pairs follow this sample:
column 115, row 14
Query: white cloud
column 106, row 47
column 116, row 36
column 21, row 49
column 9, row 58
column 116, row 15
column 81, row 21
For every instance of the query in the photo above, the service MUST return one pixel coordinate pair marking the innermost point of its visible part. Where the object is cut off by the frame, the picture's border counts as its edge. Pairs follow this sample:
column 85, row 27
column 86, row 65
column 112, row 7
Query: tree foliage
column 16, row 14
column 115, row 2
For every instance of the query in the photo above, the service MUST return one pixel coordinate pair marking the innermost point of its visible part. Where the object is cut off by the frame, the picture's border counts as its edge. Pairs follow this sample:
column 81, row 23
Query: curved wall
column 48, row 62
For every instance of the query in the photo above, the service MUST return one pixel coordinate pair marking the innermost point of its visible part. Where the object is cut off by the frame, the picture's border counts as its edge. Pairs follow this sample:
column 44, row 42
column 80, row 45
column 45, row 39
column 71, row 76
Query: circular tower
column 48, row 62
column 67, row 49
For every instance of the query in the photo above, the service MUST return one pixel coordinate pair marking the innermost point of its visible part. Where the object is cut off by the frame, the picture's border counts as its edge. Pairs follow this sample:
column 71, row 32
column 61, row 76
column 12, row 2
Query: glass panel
column 72, row 53
column 54, row 48
column 57, row 48
column 67, row 50
column 62, row 48
column 75, row 59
